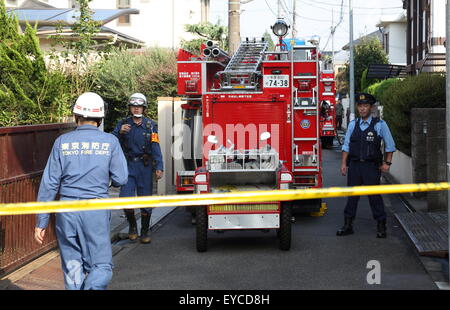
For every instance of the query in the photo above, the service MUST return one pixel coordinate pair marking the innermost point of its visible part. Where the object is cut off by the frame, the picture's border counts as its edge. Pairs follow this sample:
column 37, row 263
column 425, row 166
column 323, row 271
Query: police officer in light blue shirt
column 363, row 158
column 138, row 136
column 80, row 166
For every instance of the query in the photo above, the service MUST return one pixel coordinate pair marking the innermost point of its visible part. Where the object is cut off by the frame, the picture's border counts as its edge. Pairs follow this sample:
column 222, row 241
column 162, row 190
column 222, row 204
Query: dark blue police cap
column 364, row 98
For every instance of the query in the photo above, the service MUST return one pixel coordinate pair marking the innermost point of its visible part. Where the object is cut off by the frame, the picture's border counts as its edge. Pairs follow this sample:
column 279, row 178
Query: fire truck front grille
column 257, row 207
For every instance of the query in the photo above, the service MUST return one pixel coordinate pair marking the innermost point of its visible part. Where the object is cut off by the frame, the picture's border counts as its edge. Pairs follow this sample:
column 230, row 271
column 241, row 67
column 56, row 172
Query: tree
column 81, row 43
column 342, row 83
column 29, row 94
column 80, row 50
column 368, row 51
column 204, row 32
column 152, row 72
column 268, row 38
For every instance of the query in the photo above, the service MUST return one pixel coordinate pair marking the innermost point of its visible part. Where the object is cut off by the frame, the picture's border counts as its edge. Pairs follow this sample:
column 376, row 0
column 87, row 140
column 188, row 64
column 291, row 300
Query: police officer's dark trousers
column 364, row 173
column 140, row 181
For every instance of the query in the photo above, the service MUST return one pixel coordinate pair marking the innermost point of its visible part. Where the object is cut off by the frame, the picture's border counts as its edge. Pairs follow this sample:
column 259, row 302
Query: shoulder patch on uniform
column 155, row 137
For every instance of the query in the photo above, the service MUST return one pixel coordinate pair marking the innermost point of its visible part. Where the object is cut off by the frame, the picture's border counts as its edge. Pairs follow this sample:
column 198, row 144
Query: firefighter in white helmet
column 80, row 166
column 138, row 136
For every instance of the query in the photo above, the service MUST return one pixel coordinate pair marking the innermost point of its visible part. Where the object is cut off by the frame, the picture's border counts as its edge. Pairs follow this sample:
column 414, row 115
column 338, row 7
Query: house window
column 11, row 3
column 73, row 4
column 124, row 19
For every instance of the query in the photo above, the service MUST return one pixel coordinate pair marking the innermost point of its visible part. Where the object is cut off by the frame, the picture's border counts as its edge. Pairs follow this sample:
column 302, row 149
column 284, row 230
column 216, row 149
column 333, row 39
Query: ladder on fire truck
column 242, row 70
column 306, row 102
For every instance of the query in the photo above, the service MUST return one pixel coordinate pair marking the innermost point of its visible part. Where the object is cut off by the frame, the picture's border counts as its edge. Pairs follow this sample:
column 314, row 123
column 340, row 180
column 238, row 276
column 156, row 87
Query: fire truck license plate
column 275, row 81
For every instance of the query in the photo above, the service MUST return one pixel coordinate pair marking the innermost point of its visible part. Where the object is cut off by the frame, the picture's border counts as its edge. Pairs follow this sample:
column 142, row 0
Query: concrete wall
column 169, row 115
column 428, row 152
column 177, row 133
column 346, row 105
column 402, row 169
column 165, row 123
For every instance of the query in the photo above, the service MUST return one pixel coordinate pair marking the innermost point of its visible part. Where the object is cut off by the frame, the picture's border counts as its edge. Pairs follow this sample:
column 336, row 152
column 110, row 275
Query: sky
column 313, row 17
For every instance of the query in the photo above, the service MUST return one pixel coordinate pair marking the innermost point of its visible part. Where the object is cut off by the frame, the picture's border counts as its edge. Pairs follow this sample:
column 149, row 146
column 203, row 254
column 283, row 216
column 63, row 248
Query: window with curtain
column 11, row 3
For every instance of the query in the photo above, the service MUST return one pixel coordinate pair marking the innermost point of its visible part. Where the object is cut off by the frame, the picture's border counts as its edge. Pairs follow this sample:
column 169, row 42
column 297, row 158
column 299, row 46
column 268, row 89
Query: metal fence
column 24, row 151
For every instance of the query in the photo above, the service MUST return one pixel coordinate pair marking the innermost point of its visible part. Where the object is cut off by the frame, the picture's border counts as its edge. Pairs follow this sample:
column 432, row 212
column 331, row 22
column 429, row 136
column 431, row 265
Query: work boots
column 347, row 229
column 381, row 229
column 145, row 228
column 132, row 230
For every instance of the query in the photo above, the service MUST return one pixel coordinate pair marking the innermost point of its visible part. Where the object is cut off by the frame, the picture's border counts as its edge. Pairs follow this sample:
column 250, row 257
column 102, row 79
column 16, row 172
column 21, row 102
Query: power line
column 285, row 6
column 286, row 10
column 313, row 19
column 313, row 4
column 333, row 28
column 355, row 7
column 304, row 17
column 290, row 12
column 276, row 15
column 326, row 44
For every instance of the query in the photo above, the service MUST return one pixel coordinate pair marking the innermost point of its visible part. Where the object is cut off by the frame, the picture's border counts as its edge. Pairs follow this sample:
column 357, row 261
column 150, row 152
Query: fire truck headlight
column 280, row 28
column 200, row 178
column 286, row 177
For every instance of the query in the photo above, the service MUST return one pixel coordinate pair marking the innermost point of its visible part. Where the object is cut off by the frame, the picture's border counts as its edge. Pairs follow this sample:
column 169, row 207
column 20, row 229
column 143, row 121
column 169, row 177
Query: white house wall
column 438, row 23
column 397, row 43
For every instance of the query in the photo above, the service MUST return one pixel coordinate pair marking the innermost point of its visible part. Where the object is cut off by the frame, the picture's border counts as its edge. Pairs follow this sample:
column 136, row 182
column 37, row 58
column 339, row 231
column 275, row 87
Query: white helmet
column 137, row 99
column 89, row 105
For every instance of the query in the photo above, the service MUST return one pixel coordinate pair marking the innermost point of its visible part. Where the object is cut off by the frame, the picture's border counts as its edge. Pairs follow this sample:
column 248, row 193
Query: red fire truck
column 257, row 115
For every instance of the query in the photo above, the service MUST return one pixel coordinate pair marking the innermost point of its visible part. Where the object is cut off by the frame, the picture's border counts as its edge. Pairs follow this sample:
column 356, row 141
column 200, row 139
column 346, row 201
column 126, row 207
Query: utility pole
column 279, row 8
column 234, row 25
column 294, row 25
column 205, row 10
column 352, row 65
column 333, row 29
column 332, row 39
column 447, row 47
column 173, row 25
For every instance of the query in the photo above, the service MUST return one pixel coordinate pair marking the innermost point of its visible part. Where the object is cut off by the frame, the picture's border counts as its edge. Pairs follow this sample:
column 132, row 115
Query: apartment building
column 425, row 39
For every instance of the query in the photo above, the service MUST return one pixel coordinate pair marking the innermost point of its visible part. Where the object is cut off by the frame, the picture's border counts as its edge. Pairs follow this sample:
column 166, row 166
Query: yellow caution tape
column 212, row 199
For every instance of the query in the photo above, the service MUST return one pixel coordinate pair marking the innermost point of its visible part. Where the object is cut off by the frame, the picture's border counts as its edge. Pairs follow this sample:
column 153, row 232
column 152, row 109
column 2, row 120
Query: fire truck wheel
column 201, row 219
column 284, row 233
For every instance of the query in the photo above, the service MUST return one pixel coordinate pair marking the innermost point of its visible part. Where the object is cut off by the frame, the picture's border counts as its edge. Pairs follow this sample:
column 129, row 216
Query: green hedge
column 152, row 72
column 421, row 91
column 378, row 89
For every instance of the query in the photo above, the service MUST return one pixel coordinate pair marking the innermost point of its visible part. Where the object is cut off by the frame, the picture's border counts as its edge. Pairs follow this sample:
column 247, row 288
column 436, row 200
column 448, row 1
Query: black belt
column 364, row 160
column 135, row 159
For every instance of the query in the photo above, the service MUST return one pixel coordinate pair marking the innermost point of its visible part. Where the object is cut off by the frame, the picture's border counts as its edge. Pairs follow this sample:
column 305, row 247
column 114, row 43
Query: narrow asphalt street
column 318, row 258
